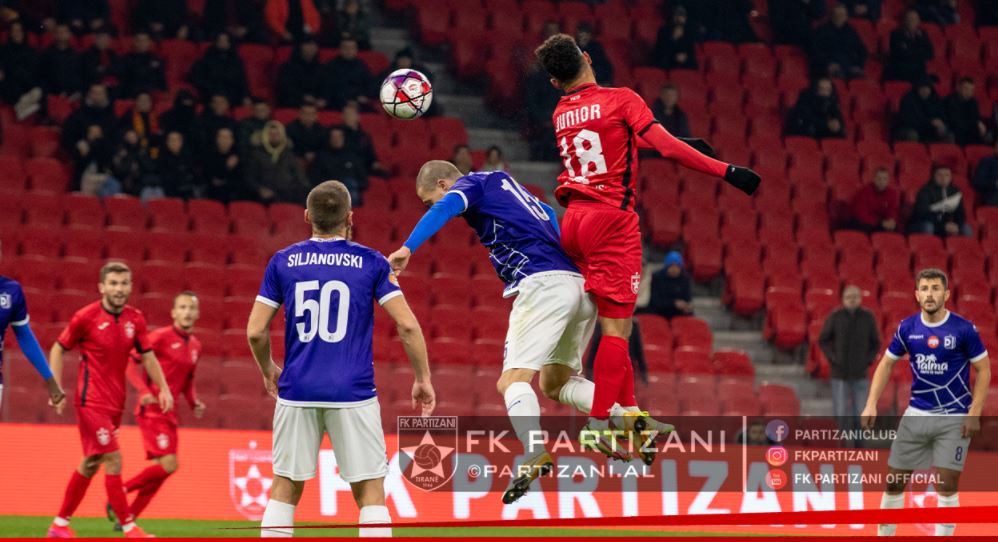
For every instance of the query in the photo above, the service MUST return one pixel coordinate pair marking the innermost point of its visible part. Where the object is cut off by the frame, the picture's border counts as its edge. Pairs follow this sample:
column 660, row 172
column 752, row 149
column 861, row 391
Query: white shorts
column 356, row 434
column 551, row 322
column 925, row 440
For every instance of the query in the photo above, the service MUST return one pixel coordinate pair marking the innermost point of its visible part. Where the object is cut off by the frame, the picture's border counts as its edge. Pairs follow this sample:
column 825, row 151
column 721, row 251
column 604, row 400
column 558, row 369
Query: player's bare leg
column 75, row 491
column 146, row 483
column 524, row 413
column 280, row 512
column 893, row 498
column 949, row 481
column 370, row 498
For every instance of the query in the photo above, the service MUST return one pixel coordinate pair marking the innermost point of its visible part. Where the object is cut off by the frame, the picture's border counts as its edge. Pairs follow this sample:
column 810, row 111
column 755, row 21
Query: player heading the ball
column 944, row 412
column 327, row 285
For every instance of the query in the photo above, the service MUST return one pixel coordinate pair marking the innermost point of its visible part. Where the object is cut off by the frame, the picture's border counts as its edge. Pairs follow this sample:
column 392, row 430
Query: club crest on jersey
column 933, row 342
column 163, row 441
column 635, row 282
column 103, row 436
column 427, row 445
column 250, row 478
column 5, row 301
column 130, row 330
column 194, row 356
column 949, row 342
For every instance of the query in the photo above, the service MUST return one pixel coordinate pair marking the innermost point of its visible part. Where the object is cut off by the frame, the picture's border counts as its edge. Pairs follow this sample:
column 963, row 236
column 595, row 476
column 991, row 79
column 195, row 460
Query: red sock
column 154, row 473
column 609, row 369
column 626, row 396
column 116, row 497
column 75, row 491
column 145, row 495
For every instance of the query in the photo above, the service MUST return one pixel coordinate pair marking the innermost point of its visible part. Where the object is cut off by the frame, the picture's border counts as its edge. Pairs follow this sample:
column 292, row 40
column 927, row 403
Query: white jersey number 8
column 318, row 311
column 591, row 156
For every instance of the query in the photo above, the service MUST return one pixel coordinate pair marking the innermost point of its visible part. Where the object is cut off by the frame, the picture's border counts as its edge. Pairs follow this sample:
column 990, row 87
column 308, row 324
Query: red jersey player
column 106, row 332
column 177, row 350
column 599, row 130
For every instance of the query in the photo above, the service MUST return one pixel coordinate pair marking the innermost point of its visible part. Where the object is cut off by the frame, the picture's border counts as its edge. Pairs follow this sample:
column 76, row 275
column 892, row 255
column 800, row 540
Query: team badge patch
column 635, row 282
column 103, row 436
column 5, row 302
column 933, row 342
column 163, row 441
column 130, row 330
column 949, row 342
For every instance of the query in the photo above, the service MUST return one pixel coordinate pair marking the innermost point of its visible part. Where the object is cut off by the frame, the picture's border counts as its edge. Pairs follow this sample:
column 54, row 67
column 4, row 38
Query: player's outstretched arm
column 134, row 378
column 55, row 365
column 979, row 395
column 447, row 208
column 258, row 335
column 33, row 351
column 155, row 372
column 668, row 146
column 423, row 396
column 880, row 378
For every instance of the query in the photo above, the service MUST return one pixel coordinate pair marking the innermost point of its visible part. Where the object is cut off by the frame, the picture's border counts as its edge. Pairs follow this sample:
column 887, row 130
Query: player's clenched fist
column 199, row 408
column 270, row 376
column 399, row 259
column 165, row 400
column 971, row 426
column 868, row 417
column 423, row 397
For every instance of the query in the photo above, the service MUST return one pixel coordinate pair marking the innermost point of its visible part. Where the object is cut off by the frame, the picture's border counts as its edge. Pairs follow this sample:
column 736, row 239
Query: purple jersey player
column 328, row 286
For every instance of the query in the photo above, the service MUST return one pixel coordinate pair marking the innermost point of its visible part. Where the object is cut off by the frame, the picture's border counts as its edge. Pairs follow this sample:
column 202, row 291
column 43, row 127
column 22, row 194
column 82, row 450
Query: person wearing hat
column 671, row 291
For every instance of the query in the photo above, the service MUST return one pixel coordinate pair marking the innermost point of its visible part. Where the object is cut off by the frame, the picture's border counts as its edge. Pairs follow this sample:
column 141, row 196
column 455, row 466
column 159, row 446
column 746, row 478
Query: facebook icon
column 777, row 430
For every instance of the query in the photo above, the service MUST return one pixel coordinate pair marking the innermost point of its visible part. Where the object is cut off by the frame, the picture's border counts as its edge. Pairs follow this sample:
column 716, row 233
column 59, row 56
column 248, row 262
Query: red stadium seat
column 126, row 212
column 733, row 362
column 167, row 246
column 168, row 214
column 85, row 212
column 744, row 293
column 691, row 331
column 779, row 400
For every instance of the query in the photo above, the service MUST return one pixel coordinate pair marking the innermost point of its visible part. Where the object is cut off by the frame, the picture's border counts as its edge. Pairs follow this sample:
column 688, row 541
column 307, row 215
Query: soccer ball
column 406, row 94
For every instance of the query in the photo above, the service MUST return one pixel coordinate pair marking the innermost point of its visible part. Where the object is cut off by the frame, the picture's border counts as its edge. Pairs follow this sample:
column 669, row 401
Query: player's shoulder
column 133, row 312
column 9, row 285
column 958, row 321
column 160, row 332
column 90, row 310
column 364, row 251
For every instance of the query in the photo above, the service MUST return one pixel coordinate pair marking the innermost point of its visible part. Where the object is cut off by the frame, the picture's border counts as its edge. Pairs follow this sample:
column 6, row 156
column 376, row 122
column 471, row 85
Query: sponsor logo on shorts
column 250, row 478
column 933, row 342
column 427, row 446
column 103, row 436
column 635, row 282
column 929, row 365
column 163, row 441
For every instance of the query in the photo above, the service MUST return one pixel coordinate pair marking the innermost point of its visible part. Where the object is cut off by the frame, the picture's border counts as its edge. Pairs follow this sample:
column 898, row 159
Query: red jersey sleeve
column 71, row 336
column 136, row 379
column 142, row 342
column 637, row 115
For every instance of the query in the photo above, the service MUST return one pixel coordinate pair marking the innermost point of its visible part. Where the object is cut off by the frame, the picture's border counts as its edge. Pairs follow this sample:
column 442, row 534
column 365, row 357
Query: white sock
column 128, row 526
column 578, row 392
column 525, row 414
column 277, row 514
column 946, row 529
column 375, row 514
column 887, row 502
column 61, row 522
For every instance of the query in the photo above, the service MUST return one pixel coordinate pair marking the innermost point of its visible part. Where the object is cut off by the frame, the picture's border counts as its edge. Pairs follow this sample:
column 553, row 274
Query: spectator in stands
column 306, row 134
column 360, row 141
column 141, row 69
column 921, row 116
column 667, row 111
column 541, row 100
column 61, row 68
column 292, row 19
column 130, row 162
column 755, row 435
column 791, row 20
column 220, row 71
column 725, row 20
column 216, row 116
column 671, row 289
column 223, row 168
column 92, row 160
column 462, row 159
column 97, row 109
column 816, row 113
column 837, row 50
column 299, row 80
column 273, row 172
column 337, row 161
column 866, row 9
column 83, row 16
column 182, row 118
column 987, row 13
column 910, row 50
column 243, row 19
column 164, row 19
column 19, row 82
column 963, row 116
column 851, row 342
column 939, row 206
column 939, row 11
column 493, row 160
column 143, row 121
column 176, row 168
column 877, row 205
column 602, row 67
column 100, row 59
column 351, row 20
column 251, row 127
column 986, row 178
column 347, row 77
column 675, row 44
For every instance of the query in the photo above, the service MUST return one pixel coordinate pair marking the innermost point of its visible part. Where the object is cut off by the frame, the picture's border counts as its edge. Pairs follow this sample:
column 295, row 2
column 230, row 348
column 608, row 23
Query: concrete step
column 513, row 146
column 712, row 310
column 816, row 407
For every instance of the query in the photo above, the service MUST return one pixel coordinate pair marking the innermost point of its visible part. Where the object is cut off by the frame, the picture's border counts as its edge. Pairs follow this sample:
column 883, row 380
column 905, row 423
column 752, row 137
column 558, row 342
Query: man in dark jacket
column 61, row 69
column 675, row 45
column 141, row 69
column 216, row 116
column 939, row 207
column 347, row 77
column 667, row 111
column 337, row 161
column 299, row 79
column 100, row 60
column 306, row 134
column 602, row 67
column 986, row 178
column 817, row 112
column 220, row 71
column 96, row 110
column 837, row 50
column 851, row 342
column 921, row 116
column 791, row 20
column 671, row 293
column 963, row 115
column 910, row 50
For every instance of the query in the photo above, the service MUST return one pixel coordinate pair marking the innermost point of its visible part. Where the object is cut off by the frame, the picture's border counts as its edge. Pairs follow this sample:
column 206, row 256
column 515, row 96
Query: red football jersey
column 105, row 340
column 596, row 129
column 177, row 352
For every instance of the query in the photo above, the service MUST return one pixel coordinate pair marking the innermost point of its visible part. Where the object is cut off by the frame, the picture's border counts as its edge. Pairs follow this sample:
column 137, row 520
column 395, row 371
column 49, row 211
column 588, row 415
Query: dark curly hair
column 561, row 58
